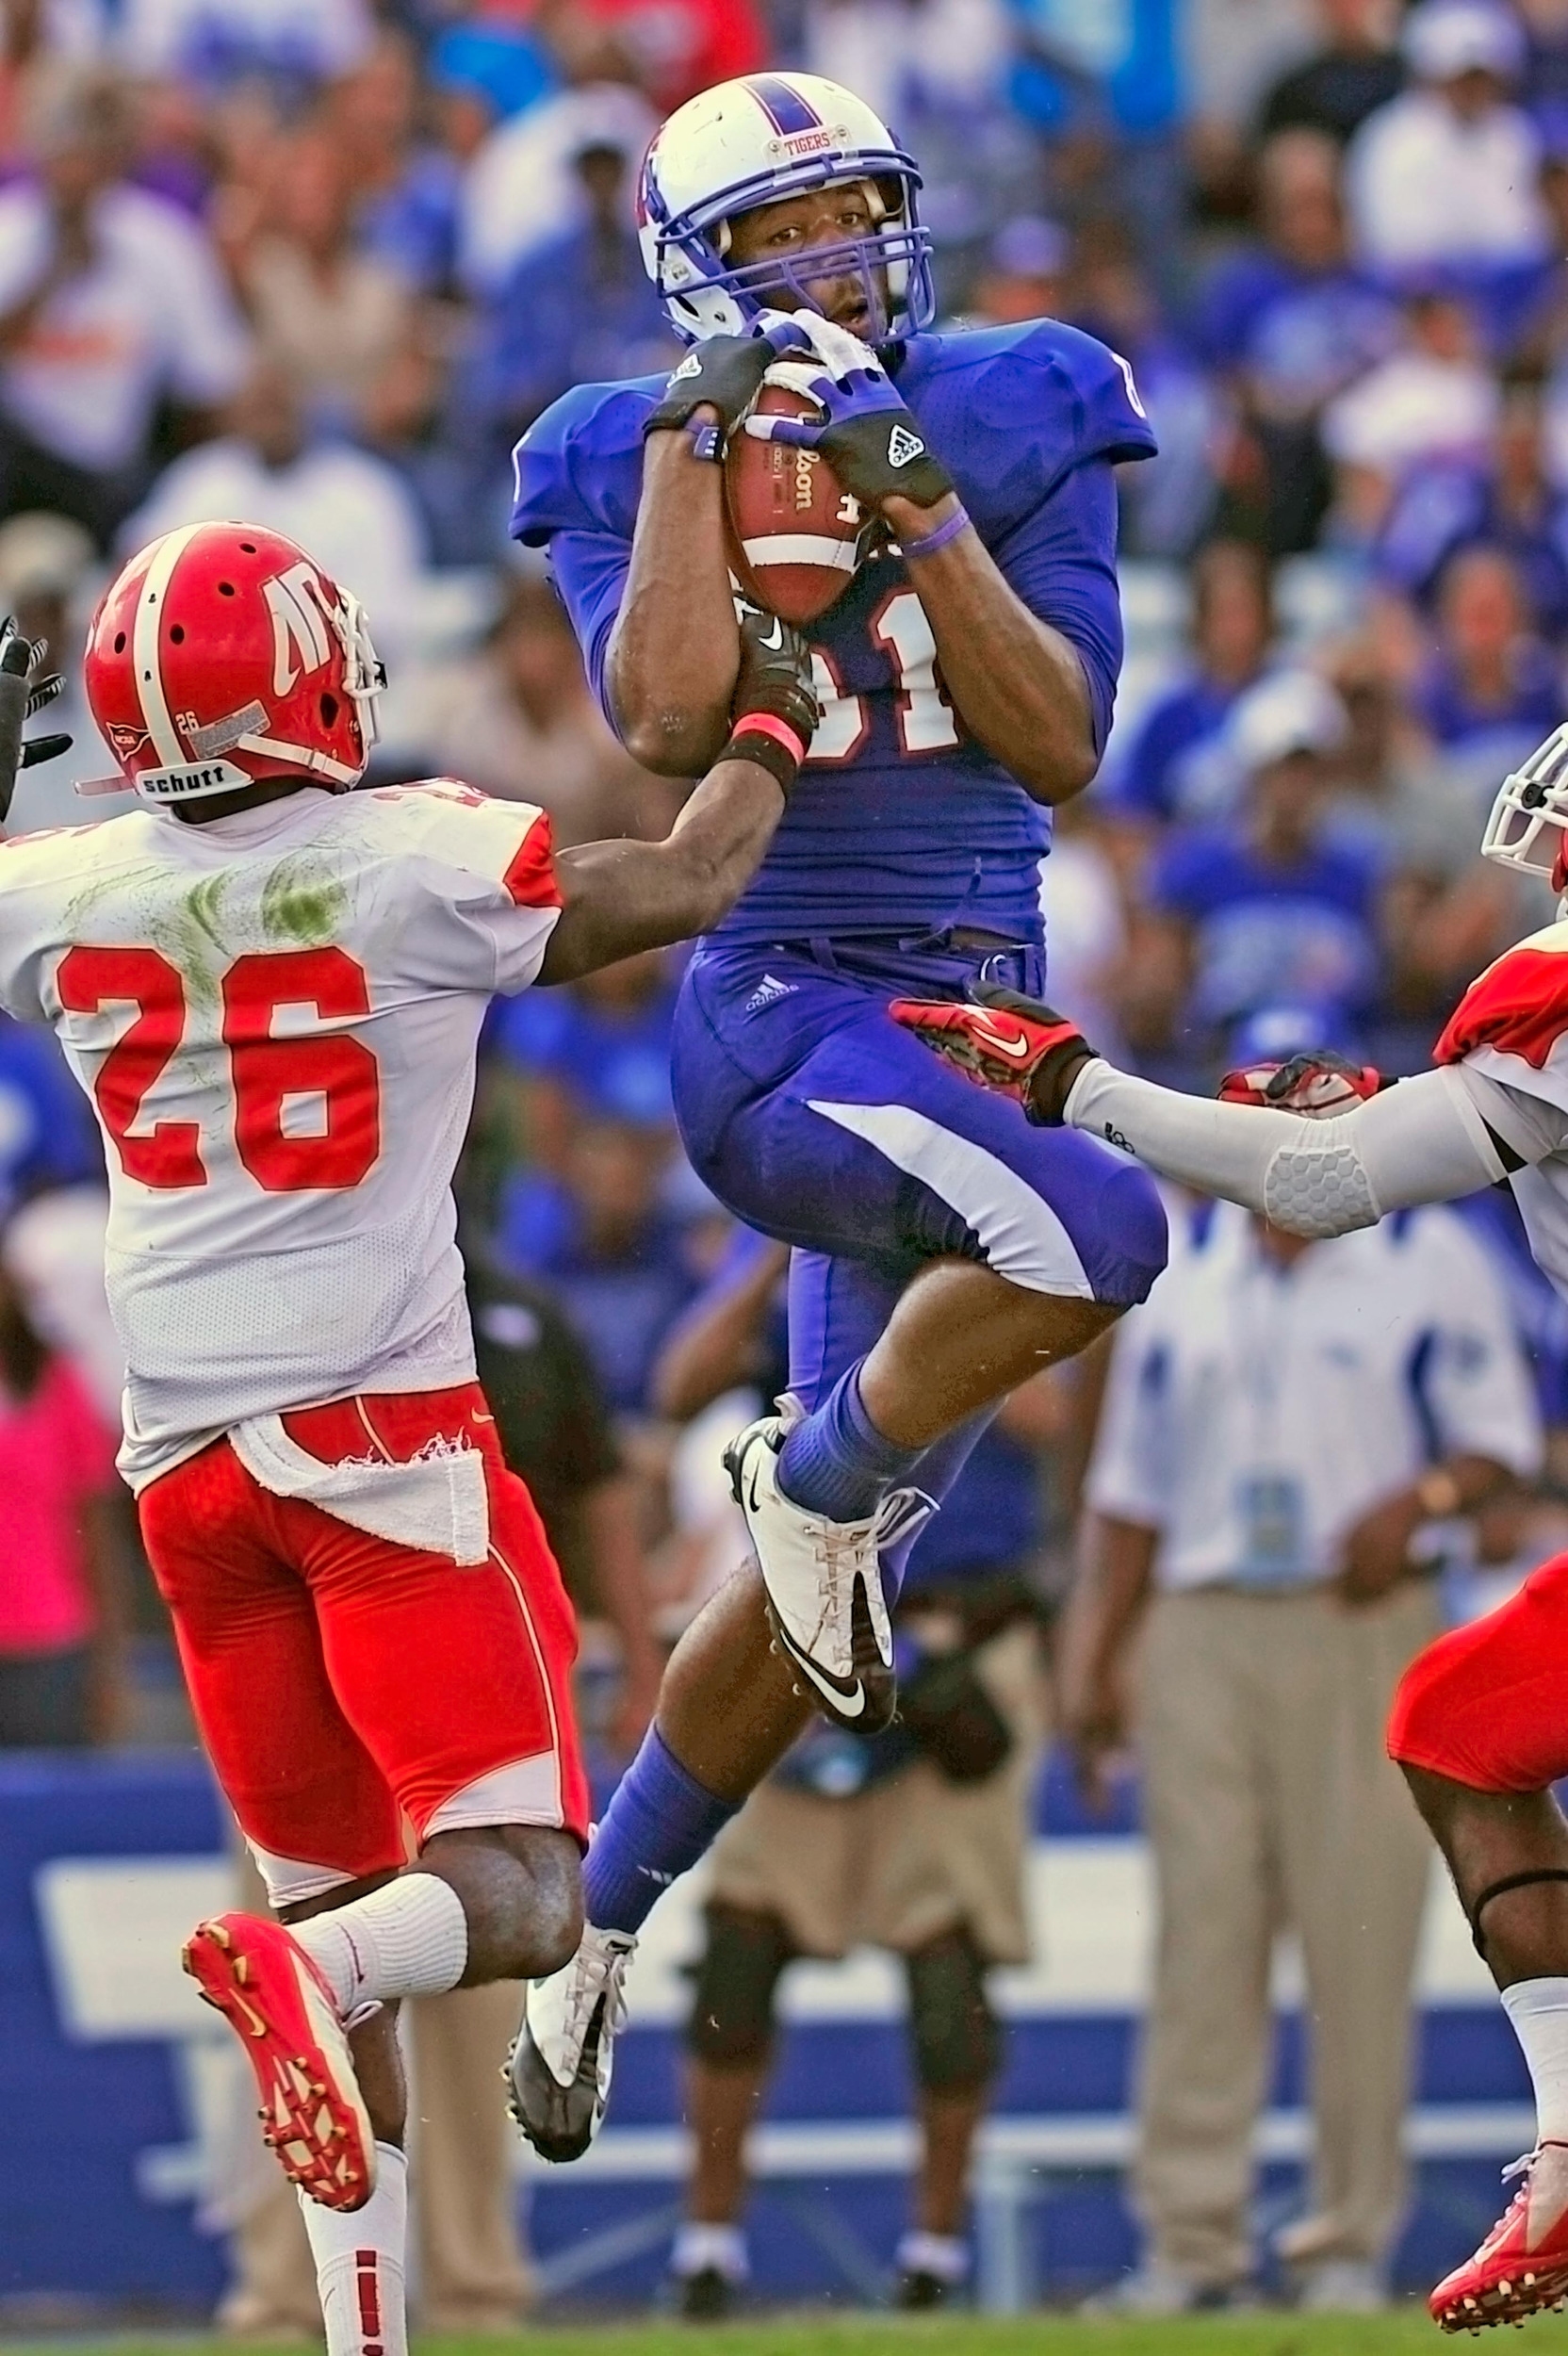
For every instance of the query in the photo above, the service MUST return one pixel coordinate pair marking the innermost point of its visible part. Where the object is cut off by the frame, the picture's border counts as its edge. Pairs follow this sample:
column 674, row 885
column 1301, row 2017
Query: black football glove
column 21, row 696
column 869, row 436
column 724, row 373
column 776, row 674
column 1016, row 1046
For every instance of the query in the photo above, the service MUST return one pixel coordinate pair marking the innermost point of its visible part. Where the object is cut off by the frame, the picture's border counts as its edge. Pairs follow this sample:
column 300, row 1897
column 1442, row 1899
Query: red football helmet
column 222, row 654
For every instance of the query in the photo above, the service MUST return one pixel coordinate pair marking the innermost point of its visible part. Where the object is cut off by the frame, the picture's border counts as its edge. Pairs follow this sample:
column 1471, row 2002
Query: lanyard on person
column 1269, row 1495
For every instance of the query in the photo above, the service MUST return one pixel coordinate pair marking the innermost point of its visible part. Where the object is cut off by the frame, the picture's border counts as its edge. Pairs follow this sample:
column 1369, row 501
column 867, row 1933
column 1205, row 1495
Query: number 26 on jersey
column 306, row 1106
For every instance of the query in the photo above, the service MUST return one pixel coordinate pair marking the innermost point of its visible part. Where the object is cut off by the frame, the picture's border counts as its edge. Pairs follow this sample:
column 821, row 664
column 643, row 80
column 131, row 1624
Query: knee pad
column 731, row 2019
column 957, row 2043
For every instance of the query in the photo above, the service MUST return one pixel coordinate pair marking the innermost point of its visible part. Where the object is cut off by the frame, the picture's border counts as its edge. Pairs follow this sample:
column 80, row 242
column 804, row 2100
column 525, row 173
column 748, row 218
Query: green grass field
column 1402, row 2333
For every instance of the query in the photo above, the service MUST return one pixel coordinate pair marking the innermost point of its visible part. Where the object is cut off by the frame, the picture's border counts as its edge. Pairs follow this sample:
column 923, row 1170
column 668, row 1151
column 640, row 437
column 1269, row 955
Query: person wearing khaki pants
column 1283, row 1420
column 1260, row 1725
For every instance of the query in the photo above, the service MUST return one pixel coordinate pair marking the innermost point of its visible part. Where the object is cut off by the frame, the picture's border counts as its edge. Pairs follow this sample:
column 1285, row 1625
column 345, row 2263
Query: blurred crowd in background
column 319, row 263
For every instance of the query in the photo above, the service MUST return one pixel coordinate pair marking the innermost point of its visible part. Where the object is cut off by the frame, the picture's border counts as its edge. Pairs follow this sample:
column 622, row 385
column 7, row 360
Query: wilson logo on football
column 298, row 606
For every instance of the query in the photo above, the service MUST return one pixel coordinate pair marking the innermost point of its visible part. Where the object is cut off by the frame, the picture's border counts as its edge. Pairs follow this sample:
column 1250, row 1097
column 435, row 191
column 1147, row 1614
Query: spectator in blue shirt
column 1509, row 503
column 406, row 186
column 1170, row 769
column 601, row 1237
column 46, row 1137
column 613, row 1024
column 1289, row 323
column 1492, row 683
column 577, row 310
column 1272, row 905
column 1290, row 317
column 1167, row 501
column 1106, row 87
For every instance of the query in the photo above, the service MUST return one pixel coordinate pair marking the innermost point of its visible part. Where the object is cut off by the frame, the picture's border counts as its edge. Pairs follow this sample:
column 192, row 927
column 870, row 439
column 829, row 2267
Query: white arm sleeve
column 1424, row 1142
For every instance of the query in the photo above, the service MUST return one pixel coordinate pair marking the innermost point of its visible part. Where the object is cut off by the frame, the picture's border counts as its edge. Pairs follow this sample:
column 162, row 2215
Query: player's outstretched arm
column 620, row 898
column 1426, row 1140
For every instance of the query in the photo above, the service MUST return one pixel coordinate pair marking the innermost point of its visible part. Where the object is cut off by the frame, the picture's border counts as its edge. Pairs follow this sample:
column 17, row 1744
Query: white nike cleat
column 823, row 1579
column 561, row 2060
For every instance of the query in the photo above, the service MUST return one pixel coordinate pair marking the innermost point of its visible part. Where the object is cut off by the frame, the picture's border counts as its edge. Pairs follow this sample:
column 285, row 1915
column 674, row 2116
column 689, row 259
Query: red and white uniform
column 275, row 1016
column 1484, row 1704
column 1510, row 1030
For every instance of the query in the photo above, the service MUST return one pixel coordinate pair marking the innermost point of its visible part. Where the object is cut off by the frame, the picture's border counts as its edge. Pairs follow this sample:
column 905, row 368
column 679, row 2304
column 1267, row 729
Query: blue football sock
column 836, row 1463
column 660, row 1821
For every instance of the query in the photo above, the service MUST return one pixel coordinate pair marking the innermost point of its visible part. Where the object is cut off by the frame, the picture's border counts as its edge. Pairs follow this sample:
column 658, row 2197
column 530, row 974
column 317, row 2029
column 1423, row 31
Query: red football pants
column 1487, row 1705
column 342, row 1681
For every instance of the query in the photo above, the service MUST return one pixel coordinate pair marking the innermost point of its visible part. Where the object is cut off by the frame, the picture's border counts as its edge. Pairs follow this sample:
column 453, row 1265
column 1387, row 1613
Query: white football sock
column 943, row 2255
column 359, row 2263
column 699, row 2248
column 409, row 1938
column 1539, row 2011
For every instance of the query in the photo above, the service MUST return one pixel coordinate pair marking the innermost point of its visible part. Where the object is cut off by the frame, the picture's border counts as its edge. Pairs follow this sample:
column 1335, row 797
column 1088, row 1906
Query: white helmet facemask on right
column 1527, row 828
column 756, row 142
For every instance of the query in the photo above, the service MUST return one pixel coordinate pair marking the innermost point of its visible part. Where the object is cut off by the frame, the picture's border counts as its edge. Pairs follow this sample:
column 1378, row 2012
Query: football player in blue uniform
column 942, row 1251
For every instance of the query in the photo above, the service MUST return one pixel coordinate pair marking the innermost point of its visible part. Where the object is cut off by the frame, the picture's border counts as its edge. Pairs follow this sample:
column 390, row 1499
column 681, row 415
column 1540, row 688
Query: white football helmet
column 1530, row 815
column 751, row 142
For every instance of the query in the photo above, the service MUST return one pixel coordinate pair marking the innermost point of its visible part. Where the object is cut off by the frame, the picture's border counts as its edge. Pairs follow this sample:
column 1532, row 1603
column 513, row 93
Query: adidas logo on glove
column 902, row 446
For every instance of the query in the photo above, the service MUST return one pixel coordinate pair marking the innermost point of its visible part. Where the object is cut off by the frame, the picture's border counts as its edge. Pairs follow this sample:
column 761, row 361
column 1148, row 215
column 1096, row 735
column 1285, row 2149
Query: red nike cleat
column 1522, row 2266
column 281, row 2010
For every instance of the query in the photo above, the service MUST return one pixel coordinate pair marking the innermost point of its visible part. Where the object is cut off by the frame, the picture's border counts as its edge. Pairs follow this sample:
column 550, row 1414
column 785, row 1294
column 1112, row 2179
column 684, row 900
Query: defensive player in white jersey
column 1481, row 1721
column 271, row 990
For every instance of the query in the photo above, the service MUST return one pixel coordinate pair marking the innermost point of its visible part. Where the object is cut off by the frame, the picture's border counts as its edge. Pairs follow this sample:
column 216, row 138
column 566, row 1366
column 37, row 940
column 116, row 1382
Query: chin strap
column 1496, row 1890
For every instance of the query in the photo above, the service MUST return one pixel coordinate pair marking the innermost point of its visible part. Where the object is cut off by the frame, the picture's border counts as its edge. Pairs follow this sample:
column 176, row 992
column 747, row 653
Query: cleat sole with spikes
column 312, row 2113
column 1506, row 2302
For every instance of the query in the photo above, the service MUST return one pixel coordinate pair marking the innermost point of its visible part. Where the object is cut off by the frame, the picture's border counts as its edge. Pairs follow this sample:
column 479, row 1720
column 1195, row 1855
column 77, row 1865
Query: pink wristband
column 768, row 724
column 938, row 539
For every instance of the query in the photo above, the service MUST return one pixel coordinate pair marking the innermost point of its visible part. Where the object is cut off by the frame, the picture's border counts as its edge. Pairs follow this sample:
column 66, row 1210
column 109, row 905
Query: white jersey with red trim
column 275, row 1016
column 1510, row 1033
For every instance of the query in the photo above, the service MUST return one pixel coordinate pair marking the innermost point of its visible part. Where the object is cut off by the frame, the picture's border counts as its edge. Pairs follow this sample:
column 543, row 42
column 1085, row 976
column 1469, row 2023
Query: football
column 794, row 532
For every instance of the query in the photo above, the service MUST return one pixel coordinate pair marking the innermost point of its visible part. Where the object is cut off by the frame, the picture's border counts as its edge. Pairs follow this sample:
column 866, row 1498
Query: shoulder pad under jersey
column 1518, row 1006
column 580, row 466
column 1014, row 409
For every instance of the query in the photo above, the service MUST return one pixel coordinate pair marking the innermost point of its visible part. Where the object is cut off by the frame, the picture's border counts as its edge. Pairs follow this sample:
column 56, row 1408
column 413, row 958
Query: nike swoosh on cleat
column 849, row 1699
column 776, row 640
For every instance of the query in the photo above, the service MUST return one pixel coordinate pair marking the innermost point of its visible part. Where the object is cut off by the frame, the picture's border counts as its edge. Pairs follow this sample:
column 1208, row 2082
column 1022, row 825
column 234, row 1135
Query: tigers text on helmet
column 1529, row 826
column 222, row 654
column 754, row 142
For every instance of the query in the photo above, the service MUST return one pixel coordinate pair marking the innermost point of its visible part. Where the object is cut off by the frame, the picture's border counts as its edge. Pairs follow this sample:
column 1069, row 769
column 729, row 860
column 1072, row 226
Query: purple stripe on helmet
column 783, row 104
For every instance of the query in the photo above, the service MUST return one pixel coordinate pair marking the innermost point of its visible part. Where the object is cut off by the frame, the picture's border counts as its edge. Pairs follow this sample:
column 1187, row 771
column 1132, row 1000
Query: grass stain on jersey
column 301, row 905
column 191, row 937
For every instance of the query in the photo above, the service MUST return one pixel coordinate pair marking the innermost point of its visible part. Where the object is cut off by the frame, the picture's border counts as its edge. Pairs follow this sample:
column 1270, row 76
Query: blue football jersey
column 900, row 822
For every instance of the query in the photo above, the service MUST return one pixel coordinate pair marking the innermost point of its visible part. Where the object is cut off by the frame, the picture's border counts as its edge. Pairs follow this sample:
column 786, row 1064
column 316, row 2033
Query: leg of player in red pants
column 346, row 1683
column 1479, row 1725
